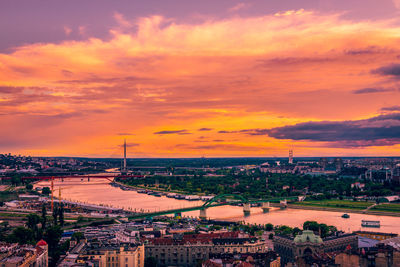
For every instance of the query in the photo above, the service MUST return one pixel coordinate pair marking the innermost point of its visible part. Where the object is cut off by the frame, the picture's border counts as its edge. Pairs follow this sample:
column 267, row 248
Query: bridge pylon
column 203, row 214
column 265, row 207
column 246, row 209
column 283, row 204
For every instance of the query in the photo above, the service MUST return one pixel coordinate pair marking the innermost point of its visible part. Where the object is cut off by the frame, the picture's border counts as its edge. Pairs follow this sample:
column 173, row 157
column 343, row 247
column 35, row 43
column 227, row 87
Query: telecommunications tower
column 290, row 156
column 123, row 169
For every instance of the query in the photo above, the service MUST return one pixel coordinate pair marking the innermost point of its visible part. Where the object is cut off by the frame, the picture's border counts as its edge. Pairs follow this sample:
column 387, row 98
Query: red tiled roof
column 209, row 263
column 41, row 243
column 245, row 264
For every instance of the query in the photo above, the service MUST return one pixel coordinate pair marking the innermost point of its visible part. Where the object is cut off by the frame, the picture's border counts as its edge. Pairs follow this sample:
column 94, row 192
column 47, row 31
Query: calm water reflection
column 101, row 192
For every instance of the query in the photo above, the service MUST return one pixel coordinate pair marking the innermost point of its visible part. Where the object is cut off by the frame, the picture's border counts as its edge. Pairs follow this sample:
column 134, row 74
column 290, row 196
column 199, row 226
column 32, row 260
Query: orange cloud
column 73, row 98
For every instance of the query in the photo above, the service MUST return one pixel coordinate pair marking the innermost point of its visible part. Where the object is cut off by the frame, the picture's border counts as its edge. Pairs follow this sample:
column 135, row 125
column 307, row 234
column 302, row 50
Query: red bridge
column 108, row 177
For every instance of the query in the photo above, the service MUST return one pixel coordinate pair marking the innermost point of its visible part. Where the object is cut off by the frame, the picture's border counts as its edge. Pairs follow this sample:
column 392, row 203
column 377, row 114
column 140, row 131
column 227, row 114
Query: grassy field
column 392, row 207
column 13, row 214
column 8, row 196
column 340, row 204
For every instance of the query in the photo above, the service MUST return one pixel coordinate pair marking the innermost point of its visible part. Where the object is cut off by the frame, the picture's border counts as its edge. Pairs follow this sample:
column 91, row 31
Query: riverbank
column 154, row 189
column 101, row 193
column 347, row 206
column 344, row 210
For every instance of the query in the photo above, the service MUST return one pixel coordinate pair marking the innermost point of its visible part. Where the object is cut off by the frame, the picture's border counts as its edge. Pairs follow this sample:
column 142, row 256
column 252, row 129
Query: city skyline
column 233, row 78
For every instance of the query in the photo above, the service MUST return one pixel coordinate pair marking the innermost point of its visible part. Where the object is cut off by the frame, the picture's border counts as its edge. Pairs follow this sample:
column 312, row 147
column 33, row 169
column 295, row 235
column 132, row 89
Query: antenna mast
column 125, row 155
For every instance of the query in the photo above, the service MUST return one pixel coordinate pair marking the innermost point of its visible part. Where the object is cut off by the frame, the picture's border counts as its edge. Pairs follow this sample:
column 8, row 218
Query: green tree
column 78, row 236
column 80, row 219
column 16, row 179
column 296, row 231
column 46, row 191
column 29, row 186
column 61, row 214
column 44, row 217
column 4, row 228
column 22, row 235
column 271, row 236
column 284, row 230
column 269, row 227
column 33, row 221
column 322, row 229
column 52, row 236
column 311, row 225
column 55, row 214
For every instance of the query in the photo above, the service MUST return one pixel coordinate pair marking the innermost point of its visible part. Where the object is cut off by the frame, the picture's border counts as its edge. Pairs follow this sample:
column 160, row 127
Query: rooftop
column 308, row 237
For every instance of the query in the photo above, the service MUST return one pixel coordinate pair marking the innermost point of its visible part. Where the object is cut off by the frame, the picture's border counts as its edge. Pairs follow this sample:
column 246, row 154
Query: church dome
column 308, row 237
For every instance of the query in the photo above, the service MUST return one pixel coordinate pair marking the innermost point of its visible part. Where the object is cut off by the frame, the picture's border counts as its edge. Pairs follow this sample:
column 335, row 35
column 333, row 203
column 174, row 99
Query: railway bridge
column 81, row 177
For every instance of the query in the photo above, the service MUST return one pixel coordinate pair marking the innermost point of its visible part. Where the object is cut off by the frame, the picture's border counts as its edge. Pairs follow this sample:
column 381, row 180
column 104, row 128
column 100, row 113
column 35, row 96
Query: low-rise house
column 105, row 255
column 13, row 255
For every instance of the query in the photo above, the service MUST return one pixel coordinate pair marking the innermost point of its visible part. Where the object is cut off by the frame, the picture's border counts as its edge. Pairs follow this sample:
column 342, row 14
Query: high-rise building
column 123, row 163
column 323, row 162
column 124, row 155
column 290, row 156
column 338, row 164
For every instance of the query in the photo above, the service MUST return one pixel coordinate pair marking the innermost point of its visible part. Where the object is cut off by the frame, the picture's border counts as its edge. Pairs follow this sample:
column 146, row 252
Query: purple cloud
column 391, row 109
column 180, row 132
column 390, row 70
column 379, row 130
column 371, row 90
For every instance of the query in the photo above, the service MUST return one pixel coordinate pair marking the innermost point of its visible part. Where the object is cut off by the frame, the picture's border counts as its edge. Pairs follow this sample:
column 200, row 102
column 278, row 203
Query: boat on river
column 366, row 223
column 346, row 216
column 192, row 197
column 180, row 196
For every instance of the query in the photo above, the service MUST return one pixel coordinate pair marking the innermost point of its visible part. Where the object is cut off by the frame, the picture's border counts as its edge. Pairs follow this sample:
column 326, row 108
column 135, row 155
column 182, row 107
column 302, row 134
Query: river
column 100, row 191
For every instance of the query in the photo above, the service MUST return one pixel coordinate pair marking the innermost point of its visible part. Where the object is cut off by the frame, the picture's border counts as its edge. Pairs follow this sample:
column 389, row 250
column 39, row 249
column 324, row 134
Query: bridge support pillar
column 283, row 204
column 246, row 208
column 178, row 215
column 301, row 198
column 203, row 214
column 265, row 207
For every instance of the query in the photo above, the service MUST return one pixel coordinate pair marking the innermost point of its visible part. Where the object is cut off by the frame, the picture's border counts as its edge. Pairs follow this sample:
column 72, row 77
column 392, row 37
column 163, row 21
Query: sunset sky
column 183, row 78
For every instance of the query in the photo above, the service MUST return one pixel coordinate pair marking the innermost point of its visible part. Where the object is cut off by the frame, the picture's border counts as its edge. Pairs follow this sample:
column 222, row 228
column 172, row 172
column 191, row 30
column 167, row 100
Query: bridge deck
column 76, row 177
column 180, row 210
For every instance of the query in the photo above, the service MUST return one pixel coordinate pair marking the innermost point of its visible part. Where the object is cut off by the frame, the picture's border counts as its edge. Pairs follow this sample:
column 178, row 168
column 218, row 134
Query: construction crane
column 52, row 193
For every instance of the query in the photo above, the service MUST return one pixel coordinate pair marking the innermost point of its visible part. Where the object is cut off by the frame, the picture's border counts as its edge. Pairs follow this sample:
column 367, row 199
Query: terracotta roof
column 245, row 264
column 41, row 243
column 209, row 263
